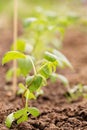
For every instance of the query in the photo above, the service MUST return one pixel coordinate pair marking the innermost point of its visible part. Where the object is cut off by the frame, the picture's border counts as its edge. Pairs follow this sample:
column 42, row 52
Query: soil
column 56, row 112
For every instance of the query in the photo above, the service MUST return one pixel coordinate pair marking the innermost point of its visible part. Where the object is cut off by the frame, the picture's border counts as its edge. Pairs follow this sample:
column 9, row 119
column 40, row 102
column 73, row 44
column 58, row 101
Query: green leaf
column 29, row 95
column 62, row 78
column 25, row 65
column 50, row 57
column 12, row 55
column 9, row 74
column 46, row 70
column 62, row 58
column 53, row 77
column 29, row 80
column 32, row 96
column 22, row 88
column 30, row 20
column 22, row 119
column 75, row 92
column 37, row 82
column 19, row 113
column 21, row 45
column 54, row 58
column 33, row 111
column 39, row 92
column 10, row 118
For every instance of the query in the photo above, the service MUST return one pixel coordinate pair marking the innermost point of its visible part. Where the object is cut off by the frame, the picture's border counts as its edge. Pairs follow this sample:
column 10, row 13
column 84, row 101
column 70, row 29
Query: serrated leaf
column 33, row 111
column 37, row 81
column 12, row 55
column 50, row 57
column 10, row 118
column 46, row 70
column 25, row 65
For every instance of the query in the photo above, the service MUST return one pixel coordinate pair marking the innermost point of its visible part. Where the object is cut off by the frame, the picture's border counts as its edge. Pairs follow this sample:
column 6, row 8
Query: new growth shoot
column 35, row 80
column 35, row 75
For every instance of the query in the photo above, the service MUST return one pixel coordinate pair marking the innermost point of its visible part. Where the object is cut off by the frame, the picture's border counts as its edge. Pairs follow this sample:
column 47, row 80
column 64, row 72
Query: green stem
column 33, row 66
column 26, row 104
column 36, row 42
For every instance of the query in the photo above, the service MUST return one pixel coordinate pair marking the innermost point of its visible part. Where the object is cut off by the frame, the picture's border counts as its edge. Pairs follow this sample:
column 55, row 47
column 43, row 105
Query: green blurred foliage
column 26, row 6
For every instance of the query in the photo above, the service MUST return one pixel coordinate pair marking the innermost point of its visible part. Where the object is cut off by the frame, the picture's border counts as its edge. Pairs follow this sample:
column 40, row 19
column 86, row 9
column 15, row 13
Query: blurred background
column 26, row 8
column 54, row 17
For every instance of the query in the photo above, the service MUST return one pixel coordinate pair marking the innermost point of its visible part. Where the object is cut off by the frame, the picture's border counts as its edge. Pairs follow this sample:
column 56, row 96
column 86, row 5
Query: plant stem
column 26, row 104
column 33, row 66
column 15, row 45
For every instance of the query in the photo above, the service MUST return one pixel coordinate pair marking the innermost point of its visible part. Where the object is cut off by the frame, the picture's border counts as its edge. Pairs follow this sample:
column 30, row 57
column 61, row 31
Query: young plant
column 34, row 82
column 44, row 30
column 78, row 91
column 23, row 65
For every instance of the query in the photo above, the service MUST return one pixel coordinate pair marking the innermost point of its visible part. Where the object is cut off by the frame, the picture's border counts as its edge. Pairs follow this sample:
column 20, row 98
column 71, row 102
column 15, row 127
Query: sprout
column 33, row 83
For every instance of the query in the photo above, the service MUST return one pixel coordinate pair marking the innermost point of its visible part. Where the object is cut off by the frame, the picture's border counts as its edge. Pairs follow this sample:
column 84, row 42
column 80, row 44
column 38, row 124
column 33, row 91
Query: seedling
column 46, row 29
column 78, row 91
column 42, row 70
column 34, row 82
column 41, row 34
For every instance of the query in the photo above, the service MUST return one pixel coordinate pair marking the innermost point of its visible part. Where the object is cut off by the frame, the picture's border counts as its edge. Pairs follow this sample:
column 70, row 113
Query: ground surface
column 56, row 112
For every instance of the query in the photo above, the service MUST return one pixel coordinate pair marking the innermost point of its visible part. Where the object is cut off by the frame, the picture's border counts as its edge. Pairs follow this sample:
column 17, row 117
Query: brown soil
column 56, row 112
